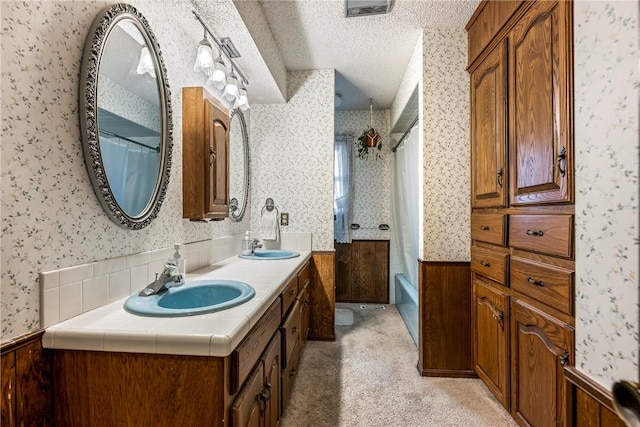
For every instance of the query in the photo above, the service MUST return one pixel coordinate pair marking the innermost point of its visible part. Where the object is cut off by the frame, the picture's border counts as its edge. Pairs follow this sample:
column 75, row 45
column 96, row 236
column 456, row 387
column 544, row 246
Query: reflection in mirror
column 238, row 166
column 128, row 147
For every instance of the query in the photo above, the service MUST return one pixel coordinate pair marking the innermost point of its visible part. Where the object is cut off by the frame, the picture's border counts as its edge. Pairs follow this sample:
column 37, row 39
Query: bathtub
column 407, row 303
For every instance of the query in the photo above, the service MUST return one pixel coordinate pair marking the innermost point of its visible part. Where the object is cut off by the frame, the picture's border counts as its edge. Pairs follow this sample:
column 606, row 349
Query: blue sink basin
column 271, row 254
column 194, row 297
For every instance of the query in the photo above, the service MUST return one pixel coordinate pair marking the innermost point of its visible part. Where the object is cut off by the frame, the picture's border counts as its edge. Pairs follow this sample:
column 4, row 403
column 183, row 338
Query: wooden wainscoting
column 588, row 403
column 323, row 296
column 27, row 385
column 362, row 271
column 445, row 320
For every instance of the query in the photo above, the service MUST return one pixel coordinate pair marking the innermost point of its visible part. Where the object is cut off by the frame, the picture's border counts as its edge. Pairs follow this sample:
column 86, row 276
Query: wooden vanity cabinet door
column 491, row 337
column 247, row 410
column 540, row 67
column 271, row 361
column 489, row 131
column 541, row 346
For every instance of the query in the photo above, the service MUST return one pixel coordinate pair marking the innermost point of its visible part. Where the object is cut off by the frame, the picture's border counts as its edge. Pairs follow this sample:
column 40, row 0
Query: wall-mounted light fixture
column 232, row 84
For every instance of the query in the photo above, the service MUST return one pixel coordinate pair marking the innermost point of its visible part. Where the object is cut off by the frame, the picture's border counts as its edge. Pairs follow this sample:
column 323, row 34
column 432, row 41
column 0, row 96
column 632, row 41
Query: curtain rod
column 222, row 52
column 156, row 149
column 413, row 123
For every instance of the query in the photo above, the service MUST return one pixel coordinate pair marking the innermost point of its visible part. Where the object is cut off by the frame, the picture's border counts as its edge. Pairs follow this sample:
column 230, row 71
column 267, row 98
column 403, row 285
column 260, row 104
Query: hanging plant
column 370, row 139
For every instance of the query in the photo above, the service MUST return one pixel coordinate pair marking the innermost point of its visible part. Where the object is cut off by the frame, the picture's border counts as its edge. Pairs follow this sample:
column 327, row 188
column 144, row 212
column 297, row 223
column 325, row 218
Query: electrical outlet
column 284, row 218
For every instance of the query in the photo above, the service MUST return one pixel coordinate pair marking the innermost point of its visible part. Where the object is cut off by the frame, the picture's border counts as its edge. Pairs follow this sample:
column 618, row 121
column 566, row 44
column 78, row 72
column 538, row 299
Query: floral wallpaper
column 292, row 156
column 51, row 218
column 607, row 86
column 446, row 146
column 124, row 103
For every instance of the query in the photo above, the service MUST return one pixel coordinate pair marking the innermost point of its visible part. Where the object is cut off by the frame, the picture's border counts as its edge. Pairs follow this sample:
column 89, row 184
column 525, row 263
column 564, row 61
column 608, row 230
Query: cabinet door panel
column 362, row 271
column 271, row 360
column 246, row 410
column 491, row 345
column 217, row 131
column 539, row 72
column 488, row 131
column 541, row 347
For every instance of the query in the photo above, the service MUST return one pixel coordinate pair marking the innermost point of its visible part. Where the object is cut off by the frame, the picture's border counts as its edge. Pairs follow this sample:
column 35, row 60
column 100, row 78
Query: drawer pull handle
column 485, row 263
column 292, row 292
column 485, row 228
column 539, row 233
column 293, row 372
column 294, row 330
column 500, row 173
column 565, row 358
column 535, row 282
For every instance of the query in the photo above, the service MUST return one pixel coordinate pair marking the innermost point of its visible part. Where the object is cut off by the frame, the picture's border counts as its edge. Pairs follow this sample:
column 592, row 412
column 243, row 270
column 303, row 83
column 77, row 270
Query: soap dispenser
column 246, row 243
column 180, row 262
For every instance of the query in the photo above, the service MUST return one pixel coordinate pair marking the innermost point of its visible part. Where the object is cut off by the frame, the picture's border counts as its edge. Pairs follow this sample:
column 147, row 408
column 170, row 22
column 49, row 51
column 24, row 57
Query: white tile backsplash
column 50, row 307
column 101, row 268
column 75, row 274
column 72, row 291
column 70, row 300
column 119, row 285
column 95, row 293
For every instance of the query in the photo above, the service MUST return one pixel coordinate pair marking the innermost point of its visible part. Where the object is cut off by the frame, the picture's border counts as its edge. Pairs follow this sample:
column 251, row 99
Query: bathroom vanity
column 233, row 367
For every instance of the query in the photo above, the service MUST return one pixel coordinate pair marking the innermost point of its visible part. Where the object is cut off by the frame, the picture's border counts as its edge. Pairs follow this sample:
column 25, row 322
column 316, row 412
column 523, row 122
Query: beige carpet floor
column 368, row 377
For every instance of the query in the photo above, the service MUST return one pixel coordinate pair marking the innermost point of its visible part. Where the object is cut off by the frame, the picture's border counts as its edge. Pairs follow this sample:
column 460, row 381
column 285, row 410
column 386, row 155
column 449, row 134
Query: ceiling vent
column 353, row 8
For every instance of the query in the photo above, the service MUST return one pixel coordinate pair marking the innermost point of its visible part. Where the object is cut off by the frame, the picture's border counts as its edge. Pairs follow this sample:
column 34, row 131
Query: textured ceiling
column 368, row 53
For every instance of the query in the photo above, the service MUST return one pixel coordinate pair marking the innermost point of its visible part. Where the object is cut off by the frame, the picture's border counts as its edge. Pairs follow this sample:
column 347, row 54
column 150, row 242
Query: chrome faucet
column 255, row 244
column 168, row 278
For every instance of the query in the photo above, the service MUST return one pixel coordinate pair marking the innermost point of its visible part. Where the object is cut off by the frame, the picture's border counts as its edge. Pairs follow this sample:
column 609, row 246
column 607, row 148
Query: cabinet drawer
column 490, row 228
column 290, row 332
column 490, row 264
column 245, row 356
column 289, row 295
column 289, row 376
column 548, row 284
column 304, row 274
column 549, row 234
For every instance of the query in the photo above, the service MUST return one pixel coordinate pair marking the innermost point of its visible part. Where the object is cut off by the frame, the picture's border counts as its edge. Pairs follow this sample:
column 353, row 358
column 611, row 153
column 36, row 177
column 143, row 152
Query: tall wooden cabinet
column 522, row 254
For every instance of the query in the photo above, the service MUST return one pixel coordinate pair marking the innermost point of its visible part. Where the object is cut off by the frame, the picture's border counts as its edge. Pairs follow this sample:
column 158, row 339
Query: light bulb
column 204, row 58
column 145, row 65
column 219, row 77
column 231, row 89
column 242, row 102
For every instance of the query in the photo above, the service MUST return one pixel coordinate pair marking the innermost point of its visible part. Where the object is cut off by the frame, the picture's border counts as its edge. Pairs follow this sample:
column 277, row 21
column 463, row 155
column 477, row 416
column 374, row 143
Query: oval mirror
column 125, row 116
column 238, row 166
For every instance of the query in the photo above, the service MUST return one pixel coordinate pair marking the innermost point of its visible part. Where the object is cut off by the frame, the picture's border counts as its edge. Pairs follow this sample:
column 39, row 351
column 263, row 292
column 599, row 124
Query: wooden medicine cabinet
column 205, row 162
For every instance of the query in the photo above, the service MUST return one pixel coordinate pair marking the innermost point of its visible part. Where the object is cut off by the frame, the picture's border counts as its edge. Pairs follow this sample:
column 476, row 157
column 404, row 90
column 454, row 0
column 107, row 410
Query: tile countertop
column 111, row 328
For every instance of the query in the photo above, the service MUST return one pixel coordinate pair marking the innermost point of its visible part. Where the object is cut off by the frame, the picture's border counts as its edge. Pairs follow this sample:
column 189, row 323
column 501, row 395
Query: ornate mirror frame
column 237, row 207
column 88, row 100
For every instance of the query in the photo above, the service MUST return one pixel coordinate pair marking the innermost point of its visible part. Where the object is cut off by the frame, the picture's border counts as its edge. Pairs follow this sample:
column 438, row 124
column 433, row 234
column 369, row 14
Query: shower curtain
column 131, row 170
column 405, row 204
column 342, row 188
